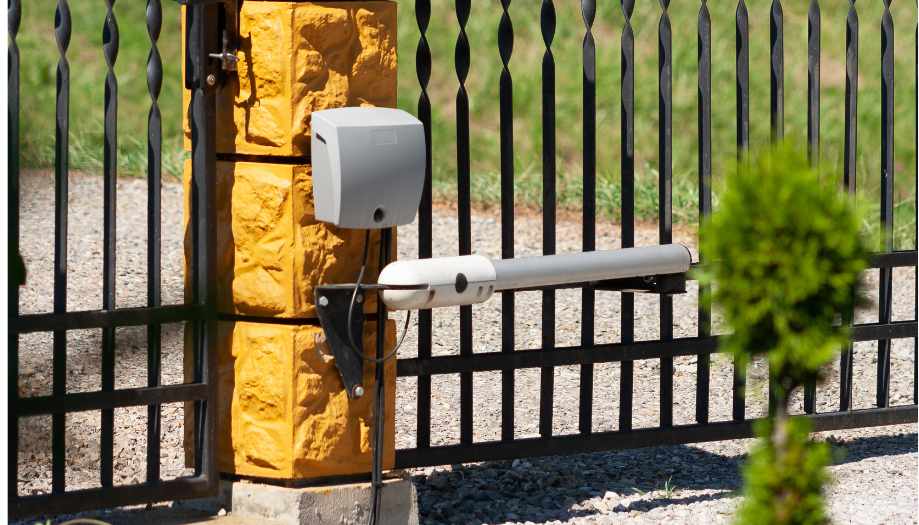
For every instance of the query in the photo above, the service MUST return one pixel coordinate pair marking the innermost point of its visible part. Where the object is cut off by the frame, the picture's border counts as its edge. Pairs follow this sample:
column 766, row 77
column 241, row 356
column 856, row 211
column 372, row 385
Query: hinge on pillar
column 228, row 29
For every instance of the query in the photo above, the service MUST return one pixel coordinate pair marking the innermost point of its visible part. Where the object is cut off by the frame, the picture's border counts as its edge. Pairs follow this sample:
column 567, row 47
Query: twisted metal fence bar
column 61, row 173
column 505, row 94
column 14, row 263
column 813, row 134
column 846, row 358
column 547, row 374
column 464, row 210
column 154, row 20
column 110, row 181
column 703, row 363
column 589, row 206
column 423, row 69
column 777, row 70
column 885, row 292
column 776, row 107
column 742, row 81
column 627, row 166
column 665, row 198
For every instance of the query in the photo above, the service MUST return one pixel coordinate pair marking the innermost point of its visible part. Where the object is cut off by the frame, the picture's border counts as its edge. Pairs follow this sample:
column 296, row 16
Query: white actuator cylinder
column 450, row 281
column 569, row 268
column 471, row 279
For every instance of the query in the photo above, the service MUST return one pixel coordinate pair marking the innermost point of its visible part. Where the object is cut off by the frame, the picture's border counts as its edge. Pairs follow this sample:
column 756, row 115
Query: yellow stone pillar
column 282, row 411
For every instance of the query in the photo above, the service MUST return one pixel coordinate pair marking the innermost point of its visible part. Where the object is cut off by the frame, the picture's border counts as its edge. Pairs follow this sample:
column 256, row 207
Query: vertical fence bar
column 547, row 374
column 110, row 177
column 464, row 212
column 154, row 19
column 813, row 134
column 62, row 27
column 703, row 363
column 15, row 269
column 193, row 71
column 916, row 231
column 627, row 166
column 777, row 106
column 742, row 66
column 202, row 31
column 813, row 82
column 665, row 197
column 505, row 48
column 589, row 208
column 849, row 159
column 777, row 71
column 423, row 70
column 885, row 292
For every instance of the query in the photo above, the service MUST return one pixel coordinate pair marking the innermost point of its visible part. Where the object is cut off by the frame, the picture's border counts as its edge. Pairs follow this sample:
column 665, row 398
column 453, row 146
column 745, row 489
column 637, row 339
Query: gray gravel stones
column 875, row 483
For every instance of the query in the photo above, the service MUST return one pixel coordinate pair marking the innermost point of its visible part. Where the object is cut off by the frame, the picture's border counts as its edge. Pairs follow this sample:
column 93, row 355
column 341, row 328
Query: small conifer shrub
column 783, row 254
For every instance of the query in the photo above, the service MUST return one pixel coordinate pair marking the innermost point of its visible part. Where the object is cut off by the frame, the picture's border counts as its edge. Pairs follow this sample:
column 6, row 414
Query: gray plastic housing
column 368, row 166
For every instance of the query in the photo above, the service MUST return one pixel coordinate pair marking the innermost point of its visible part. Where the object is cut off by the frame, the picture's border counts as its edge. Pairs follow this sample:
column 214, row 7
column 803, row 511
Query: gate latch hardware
column 227, row 55
column 228, row 28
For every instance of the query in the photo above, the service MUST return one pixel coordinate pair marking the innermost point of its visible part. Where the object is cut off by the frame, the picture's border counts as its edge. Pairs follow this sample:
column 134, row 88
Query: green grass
column 88, row 69
column 39, row 57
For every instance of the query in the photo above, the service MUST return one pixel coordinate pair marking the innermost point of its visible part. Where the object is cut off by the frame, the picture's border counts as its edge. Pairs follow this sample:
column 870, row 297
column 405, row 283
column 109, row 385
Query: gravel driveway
column 875, row 477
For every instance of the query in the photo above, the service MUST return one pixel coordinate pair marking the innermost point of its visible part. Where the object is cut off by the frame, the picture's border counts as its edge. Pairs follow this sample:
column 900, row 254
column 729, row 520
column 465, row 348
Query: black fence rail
column 627, row 351
column 199, row 313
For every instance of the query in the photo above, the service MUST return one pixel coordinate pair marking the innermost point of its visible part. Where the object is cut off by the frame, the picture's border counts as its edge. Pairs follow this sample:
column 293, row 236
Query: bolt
column 360, row 298
column 211, row 79
column 358, row 391
column 323, row 301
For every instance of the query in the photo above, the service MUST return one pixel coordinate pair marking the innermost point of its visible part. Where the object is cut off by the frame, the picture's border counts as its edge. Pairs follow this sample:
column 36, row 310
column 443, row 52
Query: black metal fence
column 199, row 311
column 627, row 351
column 201, row 26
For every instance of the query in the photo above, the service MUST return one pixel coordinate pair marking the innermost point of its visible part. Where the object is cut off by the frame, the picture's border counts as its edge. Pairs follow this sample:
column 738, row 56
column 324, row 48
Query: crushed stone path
column 875, row 478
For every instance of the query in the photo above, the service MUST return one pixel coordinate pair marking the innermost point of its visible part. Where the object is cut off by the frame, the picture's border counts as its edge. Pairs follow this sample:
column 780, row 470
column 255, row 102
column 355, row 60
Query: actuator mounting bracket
column 332, row 304
column 669, row 284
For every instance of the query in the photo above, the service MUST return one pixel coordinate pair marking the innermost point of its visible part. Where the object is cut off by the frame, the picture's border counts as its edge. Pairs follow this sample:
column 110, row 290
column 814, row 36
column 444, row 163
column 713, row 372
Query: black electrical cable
column 357, row 288
column 376, row 475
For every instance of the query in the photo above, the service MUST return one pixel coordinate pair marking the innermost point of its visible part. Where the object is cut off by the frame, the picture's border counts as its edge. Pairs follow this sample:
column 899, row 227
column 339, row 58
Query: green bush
column 784, row 253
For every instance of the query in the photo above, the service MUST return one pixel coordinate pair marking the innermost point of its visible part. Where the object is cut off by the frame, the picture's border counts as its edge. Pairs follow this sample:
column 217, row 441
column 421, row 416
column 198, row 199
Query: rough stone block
column 271, row 252
column 299, row 57
column 282, row 410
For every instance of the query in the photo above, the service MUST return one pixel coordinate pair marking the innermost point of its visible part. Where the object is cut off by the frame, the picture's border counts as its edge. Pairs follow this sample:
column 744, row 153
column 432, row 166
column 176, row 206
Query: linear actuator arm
column 471, row 279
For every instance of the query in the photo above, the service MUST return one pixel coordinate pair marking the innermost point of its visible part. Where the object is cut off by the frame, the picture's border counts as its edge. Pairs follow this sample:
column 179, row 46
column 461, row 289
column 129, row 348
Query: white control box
column 368, row 166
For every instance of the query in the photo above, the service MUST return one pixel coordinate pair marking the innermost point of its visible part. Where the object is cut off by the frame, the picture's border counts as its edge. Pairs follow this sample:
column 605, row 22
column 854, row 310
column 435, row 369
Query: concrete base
column 326, row 505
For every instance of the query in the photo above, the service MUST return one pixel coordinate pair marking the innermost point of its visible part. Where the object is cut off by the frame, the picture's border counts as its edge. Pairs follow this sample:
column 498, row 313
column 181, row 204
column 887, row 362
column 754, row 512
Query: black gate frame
column 198, row 313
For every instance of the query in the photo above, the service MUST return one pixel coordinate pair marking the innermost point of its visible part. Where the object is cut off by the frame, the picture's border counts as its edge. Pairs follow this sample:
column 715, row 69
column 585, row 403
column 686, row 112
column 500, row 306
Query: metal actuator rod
column 471, row 279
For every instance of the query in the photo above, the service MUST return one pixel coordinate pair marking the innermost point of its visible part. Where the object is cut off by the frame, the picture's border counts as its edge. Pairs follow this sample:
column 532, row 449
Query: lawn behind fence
column 39, row 58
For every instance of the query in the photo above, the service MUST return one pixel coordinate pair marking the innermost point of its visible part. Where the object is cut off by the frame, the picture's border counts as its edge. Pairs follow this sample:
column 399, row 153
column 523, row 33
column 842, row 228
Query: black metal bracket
column 669, row 284
column 332, row 304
